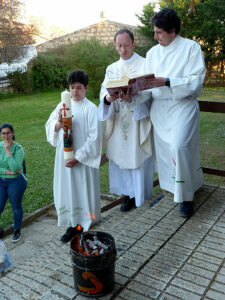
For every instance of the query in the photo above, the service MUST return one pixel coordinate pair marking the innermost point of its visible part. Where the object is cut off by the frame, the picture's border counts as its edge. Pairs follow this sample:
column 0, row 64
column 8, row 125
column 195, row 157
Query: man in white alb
column 127, row 134
column 179, row 68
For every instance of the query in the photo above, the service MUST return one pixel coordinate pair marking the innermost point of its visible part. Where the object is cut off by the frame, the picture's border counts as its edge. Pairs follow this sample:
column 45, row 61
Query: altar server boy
column 76, row 181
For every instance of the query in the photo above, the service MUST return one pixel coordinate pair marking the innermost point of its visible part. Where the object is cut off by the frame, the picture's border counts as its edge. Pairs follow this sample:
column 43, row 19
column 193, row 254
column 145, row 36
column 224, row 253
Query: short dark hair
column 124, row 30
column 166, row 19
column 78, row 76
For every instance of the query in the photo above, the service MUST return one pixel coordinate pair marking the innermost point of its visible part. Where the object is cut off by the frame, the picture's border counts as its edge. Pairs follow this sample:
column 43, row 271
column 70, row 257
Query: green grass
column 29, row 114
column 212, row 136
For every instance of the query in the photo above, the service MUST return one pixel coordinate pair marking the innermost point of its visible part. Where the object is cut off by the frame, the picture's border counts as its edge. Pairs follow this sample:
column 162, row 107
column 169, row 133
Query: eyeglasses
column 6, row 133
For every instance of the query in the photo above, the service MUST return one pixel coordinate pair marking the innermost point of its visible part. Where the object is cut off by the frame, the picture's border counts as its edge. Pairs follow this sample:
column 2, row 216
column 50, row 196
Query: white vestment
column 77, row 190
column 128, row 142
column 175, row 115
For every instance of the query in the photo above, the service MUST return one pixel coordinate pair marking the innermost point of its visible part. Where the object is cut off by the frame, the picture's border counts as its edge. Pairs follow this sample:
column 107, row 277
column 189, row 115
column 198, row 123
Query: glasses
column 6, row 133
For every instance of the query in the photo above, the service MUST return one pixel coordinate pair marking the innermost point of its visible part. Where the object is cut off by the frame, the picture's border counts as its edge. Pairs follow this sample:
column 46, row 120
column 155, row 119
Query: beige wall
column 103, row 31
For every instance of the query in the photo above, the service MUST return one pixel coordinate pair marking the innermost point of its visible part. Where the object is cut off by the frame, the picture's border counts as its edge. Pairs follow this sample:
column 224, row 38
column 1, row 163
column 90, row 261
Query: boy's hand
column 58, row 125
column 71, row 163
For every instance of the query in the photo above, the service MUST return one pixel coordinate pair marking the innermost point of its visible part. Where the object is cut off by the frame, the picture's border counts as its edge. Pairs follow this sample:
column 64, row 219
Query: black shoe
column 16, row 236
column 128, row 203
column 186, row 209
column 68, row 235
column 2, row 232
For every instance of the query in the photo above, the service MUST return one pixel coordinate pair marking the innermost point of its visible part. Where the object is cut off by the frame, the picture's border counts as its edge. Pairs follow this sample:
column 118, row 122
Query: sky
column 74, row 14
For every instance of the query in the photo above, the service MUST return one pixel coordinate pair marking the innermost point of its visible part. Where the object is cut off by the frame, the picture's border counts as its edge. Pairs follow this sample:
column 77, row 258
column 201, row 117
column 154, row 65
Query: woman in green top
column 12, row 180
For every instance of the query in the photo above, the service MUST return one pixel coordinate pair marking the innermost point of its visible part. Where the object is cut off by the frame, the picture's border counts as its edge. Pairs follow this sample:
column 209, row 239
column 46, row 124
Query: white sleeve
column 193, row 77
column 90, row 153
column 51, row 134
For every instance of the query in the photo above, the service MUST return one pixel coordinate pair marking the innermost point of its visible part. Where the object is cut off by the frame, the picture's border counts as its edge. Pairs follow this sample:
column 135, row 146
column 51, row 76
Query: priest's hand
column 111, row 98
column 71, row 163
column 125, row 96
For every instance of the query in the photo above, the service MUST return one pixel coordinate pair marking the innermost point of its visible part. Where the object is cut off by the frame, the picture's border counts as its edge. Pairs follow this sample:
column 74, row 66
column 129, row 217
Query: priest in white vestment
column 179, row 68
column 76, row 182
column 128, row 142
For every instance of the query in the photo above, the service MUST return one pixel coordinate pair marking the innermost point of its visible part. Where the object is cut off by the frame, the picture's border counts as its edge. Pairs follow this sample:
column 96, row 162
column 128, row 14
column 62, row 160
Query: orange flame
column 79, row 227
column 91, row 215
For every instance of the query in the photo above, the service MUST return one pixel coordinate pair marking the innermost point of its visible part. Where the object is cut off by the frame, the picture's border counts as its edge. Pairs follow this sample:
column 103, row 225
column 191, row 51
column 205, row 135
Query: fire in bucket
column 93, row 257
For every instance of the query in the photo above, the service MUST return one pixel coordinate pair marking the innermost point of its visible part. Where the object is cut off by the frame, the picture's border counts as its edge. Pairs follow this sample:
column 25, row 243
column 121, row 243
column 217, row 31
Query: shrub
column 49, row 71
column 93, row 57
column 20, row 81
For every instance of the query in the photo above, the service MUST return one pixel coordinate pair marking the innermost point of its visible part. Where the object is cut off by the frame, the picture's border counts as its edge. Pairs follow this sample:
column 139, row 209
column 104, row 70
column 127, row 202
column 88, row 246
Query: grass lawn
column 29, row 113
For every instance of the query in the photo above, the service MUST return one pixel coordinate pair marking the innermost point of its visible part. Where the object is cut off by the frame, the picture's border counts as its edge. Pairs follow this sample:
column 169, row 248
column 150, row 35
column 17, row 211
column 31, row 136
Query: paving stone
column 190, row 238
column 193, row 278
column 166, row 260
column 50, row 296
column 168, row 253
column 149, row 281
column 219, row 287
column 220, row 278
column 213, row 245
column 213, row 252
column 219, row 229
column 9, row 293
column 124, row 271
column 203, row 264
column 177, row 249
column 198, row 271
column 147, row 246
column 165, row 296
column 214, row 295
column 131, row 295
column 207, row 258
column 184, row 284
column 143, row 290
column 128, row 263
column 156, row 274
column 165, row 268
column 183, row 243
column 135, row 257
column 120, row 279
column 63, row 290
column 158, row 235
column 142, row 251
column 181, row 293
column 217, row 234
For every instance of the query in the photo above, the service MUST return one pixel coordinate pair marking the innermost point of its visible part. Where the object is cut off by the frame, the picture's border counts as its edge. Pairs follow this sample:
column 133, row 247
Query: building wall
column 103, row 31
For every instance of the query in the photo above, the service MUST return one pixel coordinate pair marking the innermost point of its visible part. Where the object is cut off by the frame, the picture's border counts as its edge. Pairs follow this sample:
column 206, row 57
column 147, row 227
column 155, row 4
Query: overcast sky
column 75, row 14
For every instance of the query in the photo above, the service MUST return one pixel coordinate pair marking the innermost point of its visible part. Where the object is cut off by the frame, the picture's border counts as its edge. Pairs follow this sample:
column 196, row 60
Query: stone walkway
column 160, row 255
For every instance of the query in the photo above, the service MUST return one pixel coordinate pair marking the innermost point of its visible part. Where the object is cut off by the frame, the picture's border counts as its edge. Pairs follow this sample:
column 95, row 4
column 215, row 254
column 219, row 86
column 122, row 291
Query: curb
column 28, row 219
column 41, row 211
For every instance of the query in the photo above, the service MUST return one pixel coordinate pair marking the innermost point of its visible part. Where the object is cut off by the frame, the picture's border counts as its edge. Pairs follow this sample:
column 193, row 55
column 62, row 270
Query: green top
column 14, row 162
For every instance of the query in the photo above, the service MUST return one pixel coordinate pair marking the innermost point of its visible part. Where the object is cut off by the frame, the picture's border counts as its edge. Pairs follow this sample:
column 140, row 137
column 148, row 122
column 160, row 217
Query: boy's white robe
column 128, row 142
column 175, row 115
column 77, row 190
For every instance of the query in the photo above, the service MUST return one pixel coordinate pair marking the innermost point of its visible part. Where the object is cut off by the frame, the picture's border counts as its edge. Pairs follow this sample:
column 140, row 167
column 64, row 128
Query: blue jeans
column 13, row 188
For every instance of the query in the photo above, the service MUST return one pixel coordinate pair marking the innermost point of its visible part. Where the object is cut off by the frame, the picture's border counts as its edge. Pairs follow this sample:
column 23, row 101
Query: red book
column 136, row 84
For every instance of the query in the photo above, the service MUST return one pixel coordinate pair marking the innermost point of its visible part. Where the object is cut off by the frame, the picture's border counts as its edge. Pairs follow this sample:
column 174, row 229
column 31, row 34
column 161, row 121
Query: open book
column 135, row 83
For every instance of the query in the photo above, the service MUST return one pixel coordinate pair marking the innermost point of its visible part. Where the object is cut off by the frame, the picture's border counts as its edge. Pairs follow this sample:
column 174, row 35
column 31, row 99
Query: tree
column 201, row 20
column 14, row 34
